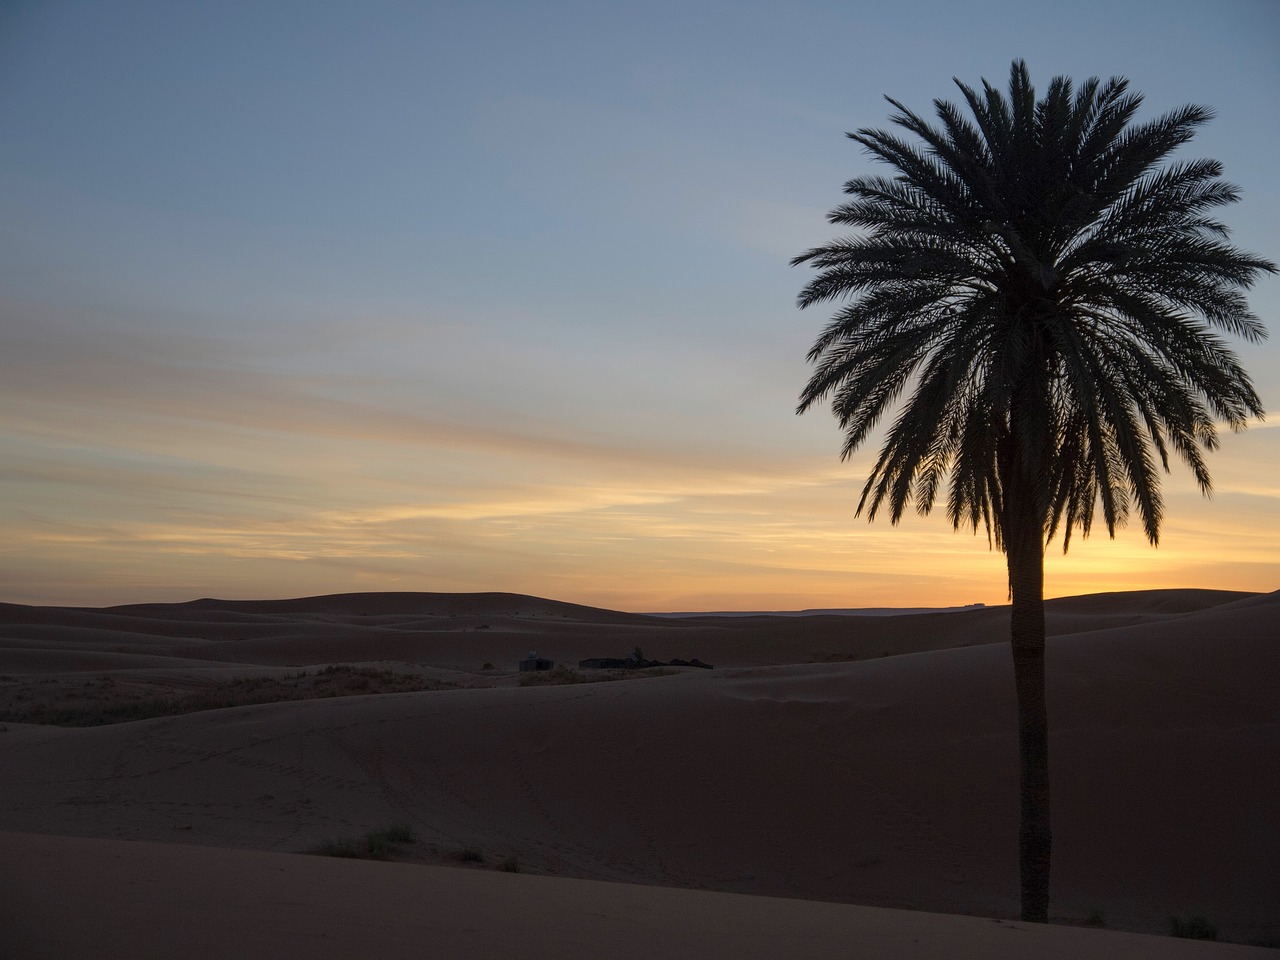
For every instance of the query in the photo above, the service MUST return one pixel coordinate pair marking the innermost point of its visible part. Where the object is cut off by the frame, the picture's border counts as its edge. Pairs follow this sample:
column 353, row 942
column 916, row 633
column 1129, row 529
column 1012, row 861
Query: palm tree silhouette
column 1042, row 289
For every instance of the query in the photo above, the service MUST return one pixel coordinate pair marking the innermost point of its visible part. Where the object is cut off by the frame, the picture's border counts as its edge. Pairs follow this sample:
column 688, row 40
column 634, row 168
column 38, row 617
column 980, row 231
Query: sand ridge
column 886, row 781
column 464, row 631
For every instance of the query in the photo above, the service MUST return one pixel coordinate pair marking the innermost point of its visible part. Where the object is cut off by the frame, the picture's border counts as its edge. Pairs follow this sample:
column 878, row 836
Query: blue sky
column 302, row 298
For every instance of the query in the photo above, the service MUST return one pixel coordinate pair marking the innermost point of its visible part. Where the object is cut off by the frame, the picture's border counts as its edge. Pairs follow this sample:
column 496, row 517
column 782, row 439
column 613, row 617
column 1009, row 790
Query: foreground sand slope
column 887, row 782
column 68, row 899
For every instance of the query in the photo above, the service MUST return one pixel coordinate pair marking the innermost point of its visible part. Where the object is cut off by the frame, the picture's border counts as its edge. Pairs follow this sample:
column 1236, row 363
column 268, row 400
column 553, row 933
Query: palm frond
column 1036, row 290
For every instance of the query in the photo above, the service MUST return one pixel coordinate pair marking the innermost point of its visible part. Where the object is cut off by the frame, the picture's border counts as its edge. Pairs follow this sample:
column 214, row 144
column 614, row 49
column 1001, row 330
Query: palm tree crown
column 1045, row 286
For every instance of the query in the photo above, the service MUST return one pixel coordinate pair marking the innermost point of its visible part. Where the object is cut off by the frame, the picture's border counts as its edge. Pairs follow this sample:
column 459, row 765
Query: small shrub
column 380, row 844
column 470, row 855
column 511, row 864
column 374, row 845
column 1194, row 927
column 339, row 848
column 399, row 833
column 560, row 674
column 1096, row 918
column 488, row 666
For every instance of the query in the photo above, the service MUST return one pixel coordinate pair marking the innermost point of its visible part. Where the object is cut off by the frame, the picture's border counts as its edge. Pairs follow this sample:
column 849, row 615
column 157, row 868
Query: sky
column 302, row 298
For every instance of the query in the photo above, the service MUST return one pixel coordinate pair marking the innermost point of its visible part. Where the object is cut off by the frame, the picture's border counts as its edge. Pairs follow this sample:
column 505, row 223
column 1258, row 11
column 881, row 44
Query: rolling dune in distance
column 826, row 759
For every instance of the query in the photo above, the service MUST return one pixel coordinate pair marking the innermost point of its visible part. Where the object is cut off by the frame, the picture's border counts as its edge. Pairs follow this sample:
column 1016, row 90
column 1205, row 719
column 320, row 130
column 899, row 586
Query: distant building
column 534, row 662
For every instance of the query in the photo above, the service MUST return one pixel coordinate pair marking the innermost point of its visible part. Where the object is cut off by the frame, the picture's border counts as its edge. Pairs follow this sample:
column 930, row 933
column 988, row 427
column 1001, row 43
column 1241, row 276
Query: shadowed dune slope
column 106, row 900
column 888, row 782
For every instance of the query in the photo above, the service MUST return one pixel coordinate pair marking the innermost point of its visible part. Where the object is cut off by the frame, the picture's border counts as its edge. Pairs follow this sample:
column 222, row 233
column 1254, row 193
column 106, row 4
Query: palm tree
column 1041, row 289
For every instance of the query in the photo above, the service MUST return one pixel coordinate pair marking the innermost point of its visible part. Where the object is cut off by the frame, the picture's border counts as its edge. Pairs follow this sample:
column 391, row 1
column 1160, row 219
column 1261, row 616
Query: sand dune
column 464, row 631
column 886, row 781
column 100, row 900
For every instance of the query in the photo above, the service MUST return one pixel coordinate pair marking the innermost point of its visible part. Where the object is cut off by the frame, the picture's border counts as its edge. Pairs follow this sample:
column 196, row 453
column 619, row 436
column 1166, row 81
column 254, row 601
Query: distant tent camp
column 534, row 662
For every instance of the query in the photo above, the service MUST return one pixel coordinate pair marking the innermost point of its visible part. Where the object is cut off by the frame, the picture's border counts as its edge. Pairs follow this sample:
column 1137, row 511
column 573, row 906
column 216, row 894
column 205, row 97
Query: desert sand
column 835, row 785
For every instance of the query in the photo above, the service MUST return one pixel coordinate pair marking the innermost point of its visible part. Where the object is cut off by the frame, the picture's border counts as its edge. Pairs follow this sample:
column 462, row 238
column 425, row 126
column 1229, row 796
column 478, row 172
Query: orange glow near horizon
column 725, row 542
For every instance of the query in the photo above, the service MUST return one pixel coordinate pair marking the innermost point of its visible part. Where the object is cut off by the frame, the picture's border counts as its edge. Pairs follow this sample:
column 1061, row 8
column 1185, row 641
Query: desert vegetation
column 70, row 701
column 375, row 845
column 1046, row 289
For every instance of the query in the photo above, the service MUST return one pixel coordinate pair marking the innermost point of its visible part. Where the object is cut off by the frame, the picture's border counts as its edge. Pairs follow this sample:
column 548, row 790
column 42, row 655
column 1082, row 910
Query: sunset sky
column 302, row 298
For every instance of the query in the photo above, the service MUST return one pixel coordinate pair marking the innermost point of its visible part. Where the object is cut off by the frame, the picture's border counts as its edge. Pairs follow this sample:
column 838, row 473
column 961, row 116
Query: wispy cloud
column 502, row 310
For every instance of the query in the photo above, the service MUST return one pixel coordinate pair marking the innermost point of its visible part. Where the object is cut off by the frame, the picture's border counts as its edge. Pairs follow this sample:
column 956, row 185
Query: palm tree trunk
column 1025, row 554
